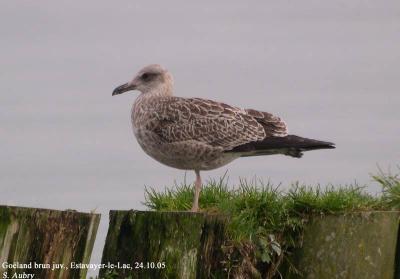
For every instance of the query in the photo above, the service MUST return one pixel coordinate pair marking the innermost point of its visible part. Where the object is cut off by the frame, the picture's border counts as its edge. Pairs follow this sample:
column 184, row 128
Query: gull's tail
column 290, row 145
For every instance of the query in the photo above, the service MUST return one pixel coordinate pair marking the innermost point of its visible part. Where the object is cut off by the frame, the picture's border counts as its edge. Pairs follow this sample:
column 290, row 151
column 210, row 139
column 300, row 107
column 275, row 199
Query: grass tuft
column 390, row 184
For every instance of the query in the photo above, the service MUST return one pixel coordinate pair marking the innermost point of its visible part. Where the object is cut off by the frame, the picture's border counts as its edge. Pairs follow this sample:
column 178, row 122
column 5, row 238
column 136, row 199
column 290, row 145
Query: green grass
column 268, row 221
column 390, row 184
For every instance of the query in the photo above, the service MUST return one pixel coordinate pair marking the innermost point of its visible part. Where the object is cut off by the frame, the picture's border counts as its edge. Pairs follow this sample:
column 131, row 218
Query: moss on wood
column 356, row 245
column 42, row 236
column 188, row 244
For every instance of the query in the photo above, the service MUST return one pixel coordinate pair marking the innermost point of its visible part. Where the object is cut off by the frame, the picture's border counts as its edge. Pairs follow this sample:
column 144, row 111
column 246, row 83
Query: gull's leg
column 197, row 189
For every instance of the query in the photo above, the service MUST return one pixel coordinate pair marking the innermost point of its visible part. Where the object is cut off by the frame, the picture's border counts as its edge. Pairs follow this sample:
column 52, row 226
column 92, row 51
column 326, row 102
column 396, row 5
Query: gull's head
column 152, row 79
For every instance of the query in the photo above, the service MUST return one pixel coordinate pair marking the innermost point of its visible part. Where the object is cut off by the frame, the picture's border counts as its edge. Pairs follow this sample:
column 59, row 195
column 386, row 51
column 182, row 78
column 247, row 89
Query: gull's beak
column 123, row 88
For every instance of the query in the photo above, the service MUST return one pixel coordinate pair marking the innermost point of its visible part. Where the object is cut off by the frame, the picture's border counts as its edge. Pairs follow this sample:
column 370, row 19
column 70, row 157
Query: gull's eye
column 147, row 76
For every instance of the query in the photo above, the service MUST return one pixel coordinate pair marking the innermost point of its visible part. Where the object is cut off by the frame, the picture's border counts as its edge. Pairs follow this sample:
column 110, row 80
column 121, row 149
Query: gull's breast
column 187, row 155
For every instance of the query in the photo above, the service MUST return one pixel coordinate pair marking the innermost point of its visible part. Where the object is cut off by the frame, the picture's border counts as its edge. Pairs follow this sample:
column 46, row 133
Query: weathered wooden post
column 44, row 243
column 163, row 245
column 354, row 245
column 189, row 245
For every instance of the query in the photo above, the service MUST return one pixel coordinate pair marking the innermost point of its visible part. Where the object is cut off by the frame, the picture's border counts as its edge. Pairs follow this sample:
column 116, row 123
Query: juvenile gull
column 199, row 134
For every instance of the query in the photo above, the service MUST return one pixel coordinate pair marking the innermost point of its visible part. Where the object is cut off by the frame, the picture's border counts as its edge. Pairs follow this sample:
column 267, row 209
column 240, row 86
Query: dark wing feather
column 290, row 145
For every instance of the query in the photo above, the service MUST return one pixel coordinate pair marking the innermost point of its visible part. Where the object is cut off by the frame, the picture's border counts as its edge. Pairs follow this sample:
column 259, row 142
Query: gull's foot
column 195, row 208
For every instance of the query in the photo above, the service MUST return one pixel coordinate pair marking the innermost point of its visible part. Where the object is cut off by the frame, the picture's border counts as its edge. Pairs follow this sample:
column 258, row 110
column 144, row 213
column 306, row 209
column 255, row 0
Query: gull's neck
column 164, row 90
column 146, row 99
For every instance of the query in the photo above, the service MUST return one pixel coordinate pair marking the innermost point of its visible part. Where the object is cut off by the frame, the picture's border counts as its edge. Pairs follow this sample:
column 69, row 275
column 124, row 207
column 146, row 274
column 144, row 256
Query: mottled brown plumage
column 217, row 124
column 199, row 134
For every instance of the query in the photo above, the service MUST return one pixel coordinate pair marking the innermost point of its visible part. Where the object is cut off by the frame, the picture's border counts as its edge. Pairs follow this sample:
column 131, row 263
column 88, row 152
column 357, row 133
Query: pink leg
column 197, row 189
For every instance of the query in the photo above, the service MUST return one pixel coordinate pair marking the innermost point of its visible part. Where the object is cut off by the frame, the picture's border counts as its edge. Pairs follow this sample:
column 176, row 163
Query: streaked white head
column 152, row 79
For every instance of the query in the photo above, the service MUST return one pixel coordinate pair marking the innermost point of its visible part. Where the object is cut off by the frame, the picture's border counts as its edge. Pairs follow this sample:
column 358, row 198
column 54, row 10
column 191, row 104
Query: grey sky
column 329, row 69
